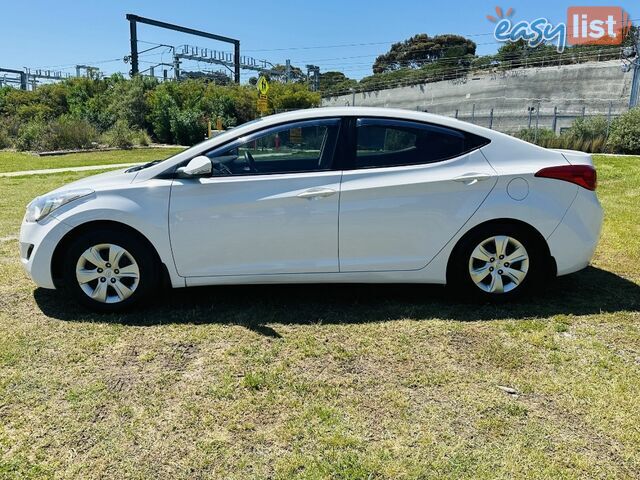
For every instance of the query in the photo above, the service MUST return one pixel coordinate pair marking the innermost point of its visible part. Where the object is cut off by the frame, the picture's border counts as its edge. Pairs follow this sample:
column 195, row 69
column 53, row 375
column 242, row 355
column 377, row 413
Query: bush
column 120, row 135
column 63, row 134
column 624, row 135
column 33, row 135
column 545, row 136
column 67, row 114
column 5, row 138
column 589, row 128
column 70, row 133
column 585, row 135
column 187, row 126
column 142, row 138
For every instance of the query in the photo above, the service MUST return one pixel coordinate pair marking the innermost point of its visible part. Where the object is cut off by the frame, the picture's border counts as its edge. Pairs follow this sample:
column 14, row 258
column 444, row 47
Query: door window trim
column 317, row 122
column 355, row 122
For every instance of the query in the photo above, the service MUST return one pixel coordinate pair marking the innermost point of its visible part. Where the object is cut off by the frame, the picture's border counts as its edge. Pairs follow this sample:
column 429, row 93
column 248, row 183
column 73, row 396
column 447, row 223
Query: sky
column 336, row 35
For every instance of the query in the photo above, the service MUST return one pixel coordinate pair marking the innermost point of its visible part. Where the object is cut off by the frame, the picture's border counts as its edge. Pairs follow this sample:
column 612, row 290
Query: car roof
column 396, row 113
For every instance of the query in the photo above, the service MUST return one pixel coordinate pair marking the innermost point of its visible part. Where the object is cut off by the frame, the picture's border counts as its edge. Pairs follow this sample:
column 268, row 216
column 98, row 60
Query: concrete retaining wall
column 514, row 96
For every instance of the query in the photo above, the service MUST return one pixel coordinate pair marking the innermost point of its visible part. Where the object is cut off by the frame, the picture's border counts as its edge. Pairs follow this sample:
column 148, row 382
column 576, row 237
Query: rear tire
column 496, row 262
column 110, row 270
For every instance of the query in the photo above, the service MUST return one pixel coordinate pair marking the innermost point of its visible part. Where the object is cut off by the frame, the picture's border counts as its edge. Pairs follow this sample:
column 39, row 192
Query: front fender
column 143, row 207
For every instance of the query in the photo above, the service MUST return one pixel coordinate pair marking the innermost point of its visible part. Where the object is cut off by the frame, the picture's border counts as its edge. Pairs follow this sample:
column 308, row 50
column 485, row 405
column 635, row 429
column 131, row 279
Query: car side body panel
column 568, row 217
column 398, row 218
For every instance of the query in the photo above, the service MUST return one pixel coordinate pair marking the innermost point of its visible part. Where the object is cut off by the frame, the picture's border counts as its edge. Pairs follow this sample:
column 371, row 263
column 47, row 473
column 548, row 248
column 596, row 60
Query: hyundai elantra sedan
column 330, row 195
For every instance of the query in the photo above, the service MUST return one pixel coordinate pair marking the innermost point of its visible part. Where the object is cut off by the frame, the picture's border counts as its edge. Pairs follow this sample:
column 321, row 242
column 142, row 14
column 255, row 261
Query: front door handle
column 316, row 193
column 472, row 178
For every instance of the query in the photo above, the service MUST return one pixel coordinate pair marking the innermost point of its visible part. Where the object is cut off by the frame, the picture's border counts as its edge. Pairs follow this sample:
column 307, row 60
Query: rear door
column 410, row 188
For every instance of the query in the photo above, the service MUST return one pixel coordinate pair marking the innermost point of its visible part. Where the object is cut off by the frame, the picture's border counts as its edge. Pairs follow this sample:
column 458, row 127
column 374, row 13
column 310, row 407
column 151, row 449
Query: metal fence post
column 491, row 118
column 554, row 125
column 537, row 121
column 456, row 114
column 584, row 108
column 609, row 117
column 473, row 113
column 530, row 114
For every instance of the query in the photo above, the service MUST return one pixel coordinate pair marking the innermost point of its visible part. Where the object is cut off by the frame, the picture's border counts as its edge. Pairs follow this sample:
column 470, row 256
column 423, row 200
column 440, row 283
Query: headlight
column 42, row 206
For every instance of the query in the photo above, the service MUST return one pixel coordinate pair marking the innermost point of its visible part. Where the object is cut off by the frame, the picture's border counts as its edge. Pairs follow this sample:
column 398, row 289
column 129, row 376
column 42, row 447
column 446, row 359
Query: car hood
column 101, row 181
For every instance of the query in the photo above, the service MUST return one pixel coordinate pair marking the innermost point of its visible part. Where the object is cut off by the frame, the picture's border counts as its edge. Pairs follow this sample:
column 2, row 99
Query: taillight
column 583, row 175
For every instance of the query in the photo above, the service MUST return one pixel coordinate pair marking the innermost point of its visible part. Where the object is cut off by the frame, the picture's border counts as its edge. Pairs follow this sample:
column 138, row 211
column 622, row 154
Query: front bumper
column 574, row 241
column 38, row 241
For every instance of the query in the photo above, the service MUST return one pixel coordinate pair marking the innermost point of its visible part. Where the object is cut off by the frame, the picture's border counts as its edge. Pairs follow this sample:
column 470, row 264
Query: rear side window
column 389, row 143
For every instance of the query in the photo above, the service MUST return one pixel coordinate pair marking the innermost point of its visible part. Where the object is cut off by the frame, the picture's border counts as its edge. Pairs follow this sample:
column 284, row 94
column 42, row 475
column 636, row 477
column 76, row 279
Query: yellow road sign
column 263, row 85
column 263, row 104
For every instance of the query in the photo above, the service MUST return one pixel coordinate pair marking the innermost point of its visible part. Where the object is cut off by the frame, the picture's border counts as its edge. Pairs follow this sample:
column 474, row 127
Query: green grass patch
column 17, row 161
column 335, row 381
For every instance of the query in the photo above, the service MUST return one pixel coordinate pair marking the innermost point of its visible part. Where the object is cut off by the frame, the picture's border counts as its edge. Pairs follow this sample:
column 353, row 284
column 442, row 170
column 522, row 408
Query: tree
column 520, row 54
column 421, row 48
column 291, row 96
column 331, row 82
column 216, row 77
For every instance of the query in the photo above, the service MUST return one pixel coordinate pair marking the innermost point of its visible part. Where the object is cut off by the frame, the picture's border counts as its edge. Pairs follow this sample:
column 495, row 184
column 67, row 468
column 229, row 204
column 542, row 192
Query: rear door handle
column 316, row 193
column 472, row 178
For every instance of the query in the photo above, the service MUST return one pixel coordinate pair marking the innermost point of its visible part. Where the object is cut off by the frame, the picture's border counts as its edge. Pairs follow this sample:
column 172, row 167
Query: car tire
column 496, row 262
column 110, row 270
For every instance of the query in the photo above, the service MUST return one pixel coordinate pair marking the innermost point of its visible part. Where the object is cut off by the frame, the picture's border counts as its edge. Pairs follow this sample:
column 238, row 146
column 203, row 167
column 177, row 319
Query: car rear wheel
column 109, row 270
column 496, row 262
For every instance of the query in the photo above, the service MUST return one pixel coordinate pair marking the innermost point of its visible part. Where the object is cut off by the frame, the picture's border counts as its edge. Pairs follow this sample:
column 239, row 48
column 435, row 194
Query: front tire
column 496, row 262
column 109, row 270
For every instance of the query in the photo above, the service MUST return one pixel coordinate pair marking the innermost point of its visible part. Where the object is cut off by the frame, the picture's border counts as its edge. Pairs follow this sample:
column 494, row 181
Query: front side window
column 388, row 143
column 305, row 146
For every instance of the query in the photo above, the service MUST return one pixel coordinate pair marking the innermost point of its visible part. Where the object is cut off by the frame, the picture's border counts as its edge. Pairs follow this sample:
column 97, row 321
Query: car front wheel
column 109, row 270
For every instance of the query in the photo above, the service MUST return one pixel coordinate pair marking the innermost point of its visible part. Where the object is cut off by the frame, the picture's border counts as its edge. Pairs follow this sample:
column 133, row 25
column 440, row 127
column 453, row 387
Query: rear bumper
column 37, row 244
column 574, row 241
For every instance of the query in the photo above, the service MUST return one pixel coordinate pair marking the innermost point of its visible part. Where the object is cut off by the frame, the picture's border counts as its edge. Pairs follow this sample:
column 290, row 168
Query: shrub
column 544, row 136
column 142, row 138
column 187, row 126
column 586, row 135
column 589, row 128
column 5, row 138
column 62, row 134
column 120, row 135
column 33, row 135
column 624, row 136
column 162, row 104
column 70, row 133
column 599, row 145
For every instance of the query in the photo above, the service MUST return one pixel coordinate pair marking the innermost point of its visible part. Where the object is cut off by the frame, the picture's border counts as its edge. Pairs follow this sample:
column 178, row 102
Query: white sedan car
column 323, row 195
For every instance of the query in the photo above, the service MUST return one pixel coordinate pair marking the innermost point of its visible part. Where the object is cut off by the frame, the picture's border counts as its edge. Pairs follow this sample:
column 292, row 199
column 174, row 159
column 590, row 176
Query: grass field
column 328, row 381
column 17, row 162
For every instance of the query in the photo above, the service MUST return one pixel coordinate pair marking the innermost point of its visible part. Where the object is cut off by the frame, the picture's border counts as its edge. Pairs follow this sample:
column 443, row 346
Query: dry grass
column 328, row 381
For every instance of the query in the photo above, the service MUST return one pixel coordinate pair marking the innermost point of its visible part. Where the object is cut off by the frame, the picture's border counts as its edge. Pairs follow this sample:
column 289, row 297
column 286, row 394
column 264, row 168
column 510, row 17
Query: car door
column 270, row 207
column 410, row 188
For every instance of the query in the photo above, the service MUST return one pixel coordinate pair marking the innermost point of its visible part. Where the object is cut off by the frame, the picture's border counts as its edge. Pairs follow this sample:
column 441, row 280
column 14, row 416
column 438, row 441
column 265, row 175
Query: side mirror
column 199, row 166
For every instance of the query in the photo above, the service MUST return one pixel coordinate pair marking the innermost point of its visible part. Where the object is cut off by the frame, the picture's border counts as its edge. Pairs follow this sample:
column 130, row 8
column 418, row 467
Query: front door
column 270, row 207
